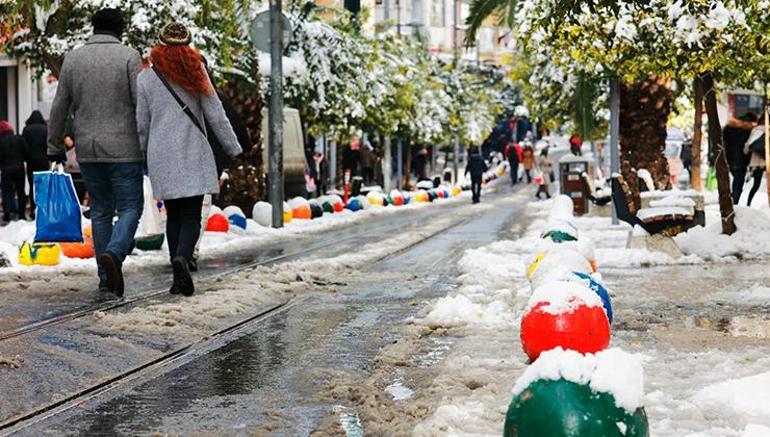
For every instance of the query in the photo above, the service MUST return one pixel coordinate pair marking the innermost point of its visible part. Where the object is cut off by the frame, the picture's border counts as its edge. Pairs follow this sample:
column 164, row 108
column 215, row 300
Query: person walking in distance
column 756, row 163
column 476, row 167
column 98, row 84
column 36, row 134
column 528, row 161
column 175, row 95
column 735, row 134
column 513, row 159
column 13, row 149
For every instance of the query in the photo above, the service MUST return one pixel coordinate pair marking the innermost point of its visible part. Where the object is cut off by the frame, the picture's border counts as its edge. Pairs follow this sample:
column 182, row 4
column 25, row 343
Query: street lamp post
column 275, row 116
column 614, row 136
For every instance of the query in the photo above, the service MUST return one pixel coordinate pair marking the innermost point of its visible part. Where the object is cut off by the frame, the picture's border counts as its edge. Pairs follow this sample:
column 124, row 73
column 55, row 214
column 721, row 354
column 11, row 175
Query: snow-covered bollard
column 585, row 246
column 562, row 207
column 39, row 254
column 262, row 213
column 560, row 230
column 376, row 198
column 235, row 216
column 567, row 315
column 565, row 393
column 84, row 250
column 395, row 198
column 556, row 261
column 354, row 204
column 217, row 221
column 332, row 203
column 316, row 211
column 288, row 214
column 300, row 208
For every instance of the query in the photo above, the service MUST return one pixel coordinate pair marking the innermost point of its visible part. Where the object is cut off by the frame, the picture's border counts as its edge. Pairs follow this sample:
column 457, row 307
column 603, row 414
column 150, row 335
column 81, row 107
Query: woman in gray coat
column 174, row 97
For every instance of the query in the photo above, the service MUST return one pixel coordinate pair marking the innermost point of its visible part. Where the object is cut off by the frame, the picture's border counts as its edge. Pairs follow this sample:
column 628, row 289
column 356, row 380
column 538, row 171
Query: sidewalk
column 700, row 327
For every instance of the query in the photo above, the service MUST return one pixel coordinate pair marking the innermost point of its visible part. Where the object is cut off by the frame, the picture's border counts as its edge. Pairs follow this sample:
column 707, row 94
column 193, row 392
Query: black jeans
column 183, row 225
column 514, row 172
column 757, row 175
column 739, row 178
column 14, row 197
column 476, row 189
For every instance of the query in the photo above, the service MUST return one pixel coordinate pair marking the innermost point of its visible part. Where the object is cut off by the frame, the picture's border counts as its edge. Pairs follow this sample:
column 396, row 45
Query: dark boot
column 183, row 282
column 111, row 265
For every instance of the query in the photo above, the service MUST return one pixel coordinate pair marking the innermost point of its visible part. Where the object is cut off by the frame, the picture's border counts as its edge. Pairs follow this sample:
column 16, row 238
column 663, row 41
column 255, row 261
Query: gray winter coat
column 179, row 158
column 98, row 84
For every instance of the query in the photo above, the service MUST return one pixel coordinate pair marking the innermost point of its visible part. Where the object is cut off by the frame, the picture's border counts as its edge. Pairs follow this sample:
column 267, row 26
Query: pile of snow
column 677, row 211
column 755, row 295
column 561, row 297
column 611, row 371
column 751, row 240
column 745, row 400
column 459, row 310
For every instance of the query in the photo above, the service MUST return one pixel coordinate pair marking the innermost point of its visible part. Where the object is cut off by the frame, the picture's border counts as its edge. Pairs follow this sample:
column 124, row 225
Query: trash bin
column 571, row 169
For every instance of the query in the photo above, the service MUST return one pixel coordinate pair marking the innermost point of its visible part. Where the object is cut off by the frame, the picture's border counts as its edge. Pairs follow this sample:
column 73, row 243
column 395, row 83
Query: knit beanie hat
column 174, row 34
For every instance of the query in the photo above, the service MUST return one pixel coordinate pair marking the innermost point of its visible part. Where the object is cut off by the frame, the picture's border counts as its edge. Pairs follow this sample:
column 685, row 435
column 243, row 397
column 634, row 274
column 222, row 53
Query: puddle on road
column 397, row 389
column 436, row 353
column 349, row 422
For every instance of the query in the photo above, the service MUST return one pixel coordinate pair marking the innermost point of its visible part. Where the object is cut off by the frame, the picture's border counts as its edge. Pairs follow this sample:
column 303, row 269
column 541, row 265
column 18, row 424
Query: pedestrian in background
column 476, row 167
column 321, row 172
column 545, row 166
column 174, row 96
column 735, row 134
column 367, row 162
column 757, row 160
column 528, row 161
column 35, row 133
column 13, row 149
column 513, row 158
column 97, row 84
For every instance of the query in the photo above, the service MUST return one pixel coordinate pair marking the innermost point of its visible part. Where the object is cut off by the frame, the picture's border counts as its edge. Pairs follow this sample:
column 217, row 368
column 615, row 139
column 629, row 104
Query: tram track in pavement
column 167, row 360
column 155, row 292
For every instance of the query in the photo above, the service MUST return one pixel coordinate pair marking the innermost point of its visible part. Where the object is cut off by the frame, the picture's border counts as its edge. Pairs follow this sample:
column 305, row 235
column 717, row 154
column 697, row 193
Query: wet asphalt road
column 269, row 377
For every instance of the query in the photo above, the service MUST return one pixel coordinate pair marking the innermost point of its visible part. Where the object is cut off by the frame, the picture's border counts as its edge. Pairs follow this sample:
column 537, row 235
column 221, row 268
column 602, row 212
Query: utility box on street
column 571, row 170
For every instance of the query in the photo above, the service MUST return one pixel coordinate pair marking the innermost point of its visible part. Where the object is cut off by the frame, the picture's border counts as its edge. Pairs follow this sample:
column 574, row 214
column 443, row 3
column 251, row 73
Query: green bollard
column 565, row 409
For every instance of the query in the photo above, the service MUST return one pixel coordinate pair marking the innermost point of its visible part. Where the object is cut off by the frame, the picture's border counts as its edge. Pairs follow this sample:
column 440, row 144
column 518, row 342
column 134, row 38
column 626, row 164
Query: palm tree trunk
column 720, row 160
column 697, row 136
column 246, row 177
column 644, row 110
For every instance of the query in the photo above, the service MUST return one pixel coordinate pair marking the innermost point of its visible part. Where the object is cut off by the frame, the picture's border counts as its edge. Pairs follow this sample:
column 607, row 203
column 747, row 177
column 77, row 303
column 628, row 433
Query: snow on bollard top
column 215, row 210
column 233, row 210
column 562, row 207
column 563, row 297
column 612, row 371
column 562, row 258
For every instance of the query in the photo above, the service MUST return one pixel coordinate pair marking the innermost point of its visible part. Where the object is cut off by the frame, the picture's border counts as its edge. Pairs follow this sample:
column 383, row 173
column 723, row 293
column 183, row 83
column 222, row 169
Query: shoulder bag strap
column 181, row 103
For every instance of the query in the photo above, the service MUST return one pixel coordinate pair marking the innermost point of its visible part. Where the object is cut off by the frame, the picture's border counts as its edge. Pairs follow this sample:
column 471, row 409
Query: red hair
column 183, row 66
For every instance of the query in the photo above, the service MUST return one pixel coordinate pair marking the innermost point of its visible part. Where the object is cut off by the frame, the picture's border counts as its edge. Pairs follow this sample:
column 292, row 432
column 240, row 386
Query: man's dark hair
column 108, row 20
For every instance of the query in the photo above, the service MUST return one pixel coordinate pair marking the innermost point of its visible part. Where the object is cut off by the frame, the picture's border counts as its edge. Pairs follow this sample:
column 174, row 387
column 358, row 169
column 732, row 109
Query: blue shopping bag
column 58, row 209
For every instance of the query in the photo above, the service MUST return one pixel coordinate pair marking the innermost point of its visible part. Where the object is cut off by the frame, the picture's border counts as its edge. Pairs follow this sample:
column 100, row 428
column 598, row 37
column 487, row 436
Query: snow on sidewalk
column 692, row 389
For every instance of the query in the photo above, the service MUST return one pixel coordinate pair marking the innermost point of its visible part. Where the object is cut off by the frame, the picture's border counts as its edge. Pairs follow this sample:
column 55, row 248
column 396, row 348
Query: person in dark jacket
column 13, row 149
column 476, row 167
column 513, row 159
column 35, row 133
column 734, row 135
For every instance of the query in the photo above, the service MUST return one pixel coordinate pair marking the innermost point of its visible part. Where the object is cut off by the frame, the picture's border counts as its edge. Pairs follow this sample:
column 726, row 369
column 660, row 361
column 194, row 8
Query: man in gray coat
column 97, row 85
